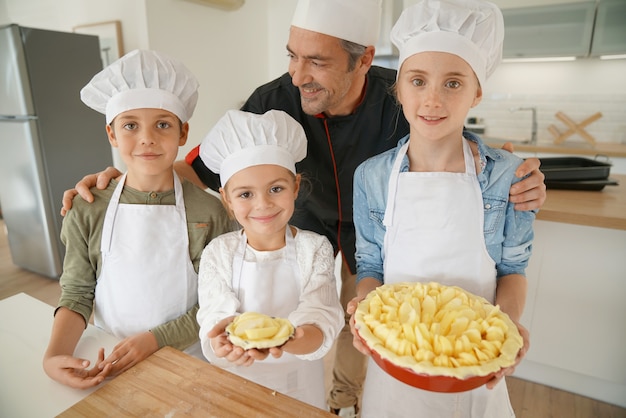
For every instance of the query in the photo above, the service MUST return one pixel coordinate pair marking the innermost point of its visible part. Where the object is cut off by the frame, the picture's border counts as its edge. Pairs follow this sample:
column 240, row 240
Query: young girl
column 269, row 266
column 132, row 256
column 436, row 207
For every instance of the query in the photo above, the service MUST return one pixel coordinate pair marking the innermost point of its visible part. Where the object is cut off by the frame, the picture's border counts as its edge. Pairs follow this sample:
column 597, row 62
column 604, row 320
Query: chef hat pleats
column 470, row 29
column 142, row 79
column 242, row 139
column 356, row 21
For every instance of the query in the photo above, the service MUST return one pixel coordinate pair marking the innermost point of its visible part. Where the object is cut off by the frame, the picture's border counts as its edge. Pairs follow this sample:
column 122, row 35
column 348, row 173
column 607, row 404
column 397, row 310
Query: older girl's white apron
column 147, row 277
column 273, row 287
column 434, row 225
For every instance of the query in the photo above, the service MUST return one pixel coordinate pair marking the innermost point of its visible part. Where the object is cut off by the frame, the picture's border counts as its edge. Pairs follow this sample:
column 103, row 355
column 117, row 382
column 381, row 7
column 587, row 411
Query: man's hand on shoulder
column 100, row 180
column 530, row 193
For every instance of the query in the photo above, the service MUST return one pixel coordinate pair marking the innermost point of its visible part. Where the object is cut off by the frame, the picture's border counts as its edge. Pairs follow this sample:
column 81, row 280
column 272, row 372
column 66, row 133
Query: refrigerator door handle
column 17, row 118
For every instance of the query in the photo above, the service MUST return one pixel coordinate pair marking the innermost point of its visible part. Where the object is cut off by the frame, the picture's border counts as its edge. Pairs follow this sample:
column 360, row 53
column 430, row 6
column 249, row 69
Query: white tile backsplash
column 501, row 122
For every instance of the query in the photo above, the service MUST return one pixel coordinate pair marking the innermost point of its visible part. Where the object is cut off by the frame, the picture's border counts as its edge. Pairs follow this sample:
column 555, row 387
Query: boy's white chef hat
column 142, row 79
column 356, row 21
column 470, row 29
column 242, row 139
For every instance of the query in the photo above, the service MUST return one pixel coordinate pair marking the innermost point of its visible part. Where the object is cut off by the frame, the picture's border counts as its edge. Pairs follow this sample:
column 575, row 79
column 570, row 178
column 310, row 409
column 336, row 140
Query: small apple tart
column 256, row 330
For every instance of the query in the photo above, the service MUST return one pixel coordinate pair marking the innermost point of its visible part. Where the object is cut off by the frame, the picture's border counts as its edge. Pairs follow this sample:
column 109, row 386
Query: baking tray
column 574, row 168
column 596, row 185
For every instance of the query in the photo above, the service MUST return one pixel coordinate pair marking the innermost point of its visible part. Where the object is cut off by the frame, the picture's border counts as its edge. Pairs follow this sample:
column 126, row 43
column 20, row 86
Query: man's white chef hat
column 142, row 79
column 242, row 139
column 470, row 29
column 356, row 21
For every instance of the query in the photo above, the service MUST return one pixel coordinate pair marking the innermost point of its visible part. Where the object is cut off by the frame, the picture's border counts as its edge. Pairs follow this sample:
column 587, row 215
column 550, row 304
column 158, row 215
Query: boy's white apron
column 434, row 232
column 273, row 287
column 147, row 277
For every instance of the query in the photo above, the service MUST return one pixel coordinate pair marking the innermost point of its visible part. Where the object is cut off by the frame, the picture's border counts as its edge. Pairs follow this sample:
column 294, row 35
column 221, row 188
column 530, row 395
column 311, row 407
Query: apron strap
column 393, row 184
column 109, row 217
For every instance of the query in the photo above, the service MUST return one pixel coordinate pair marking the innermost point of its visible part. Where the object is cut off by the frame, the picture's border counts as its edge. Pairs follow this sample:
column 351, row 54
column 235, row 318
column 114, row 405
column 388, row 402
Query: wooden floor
column 529, row 400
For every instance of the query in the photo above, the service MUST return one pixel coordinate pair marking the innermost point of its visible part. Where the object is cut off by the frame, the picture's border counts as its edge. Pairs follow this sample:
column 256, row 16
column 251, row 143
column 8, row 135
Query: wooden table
column 170, row 383
column 604, row 209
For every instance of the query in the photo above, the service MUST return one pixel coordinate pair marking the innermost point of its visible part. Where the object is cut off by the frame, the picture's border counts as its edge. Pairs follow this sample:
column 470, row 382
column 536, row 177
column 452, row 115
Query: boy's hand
column 74, row 372
column 130, row 351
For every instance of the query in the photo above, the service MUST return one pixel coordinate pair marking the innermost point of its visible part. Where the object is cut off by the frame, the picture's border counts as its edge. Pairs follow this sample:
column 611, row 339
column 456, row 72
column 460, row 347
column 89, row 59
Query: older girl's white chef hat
column 356, row 21
column 471, row 29
column 142, row 79
column 241, row 139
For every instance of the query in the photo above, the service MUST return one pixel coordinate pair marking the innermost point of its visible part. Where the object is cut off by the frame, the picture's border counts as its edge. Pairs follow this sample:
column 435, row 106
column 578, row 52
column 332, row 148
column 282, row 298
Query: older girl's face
column 262, row 199
column 437, row 90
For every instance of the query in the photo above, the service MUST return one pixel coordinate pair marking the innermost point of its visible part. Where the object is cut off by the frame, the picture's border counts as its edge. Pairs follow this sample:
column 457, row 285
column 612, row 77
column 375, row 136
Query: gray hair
column 354, row 50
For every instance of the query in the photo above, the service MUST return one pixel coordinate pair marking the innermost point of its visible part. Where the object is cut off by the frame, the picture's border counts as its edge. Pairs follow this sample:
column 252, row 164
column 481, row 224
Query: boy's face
column 147, row 139
column 437, row 90
column 262, row 199
column 318, row 66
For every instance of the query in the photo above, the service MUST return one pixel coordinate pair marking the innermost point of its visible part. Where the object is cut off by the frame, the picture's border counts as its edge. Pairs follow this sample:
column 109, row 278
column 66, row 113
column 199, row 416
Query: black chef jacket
column 336, row 146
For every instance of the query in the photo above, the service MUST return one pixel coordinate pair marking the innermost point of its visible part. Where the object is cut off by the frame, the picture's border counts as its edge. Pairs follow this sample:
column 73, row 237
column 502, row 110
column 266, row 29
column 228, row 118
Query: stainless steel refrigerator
column 48, row 138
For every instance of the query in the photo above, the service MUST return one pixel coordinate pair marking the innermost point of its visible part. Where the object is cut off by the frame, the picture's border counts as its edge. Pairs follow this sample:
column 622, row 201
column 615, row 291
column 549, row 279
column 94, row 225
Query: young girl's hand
column 295, row 340
column 73, row 372
column 130, row 351
column 520, row 355
column 223, row 348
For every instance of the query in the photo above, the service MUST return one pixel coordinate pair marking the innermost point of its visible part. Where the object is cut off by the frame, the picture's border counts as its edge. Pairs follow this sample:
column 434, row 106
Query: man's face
column 318, row 66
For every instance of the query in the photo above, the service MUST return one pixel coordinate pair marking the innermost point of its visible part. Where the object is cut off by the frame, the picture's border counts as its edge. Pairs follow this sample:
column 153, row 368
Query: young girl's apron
column 434, row 232
column 273, row 287
column 147, row 277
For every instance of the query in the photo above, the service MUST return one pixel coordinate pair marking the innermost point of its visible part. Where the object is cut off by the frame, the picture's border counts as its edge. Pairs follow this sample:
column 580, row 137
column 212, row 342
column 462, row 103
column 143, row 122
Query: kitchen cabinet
column 575, row 304
column 585, row 29
column 549, row 31
column 575, row 310
column 609, row 36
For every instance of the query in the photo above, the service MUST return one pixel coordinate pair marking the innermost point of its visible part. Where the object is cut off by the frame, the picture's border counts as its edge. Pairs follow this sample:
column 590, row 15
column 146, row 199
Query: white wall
column 232, row 52
column 227, row 50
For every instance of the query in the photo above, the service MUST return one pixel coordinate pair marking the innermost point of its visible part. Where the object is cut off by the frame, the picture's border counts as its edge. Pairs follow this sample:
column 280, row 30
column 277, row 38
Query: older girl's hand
column 356, row 340
column 520, row 355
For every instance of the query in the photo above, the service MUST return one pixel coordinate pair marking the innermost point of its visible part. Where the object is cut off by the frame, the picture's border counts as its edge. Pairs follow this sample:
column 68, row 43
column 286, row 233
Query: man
column 344, row 106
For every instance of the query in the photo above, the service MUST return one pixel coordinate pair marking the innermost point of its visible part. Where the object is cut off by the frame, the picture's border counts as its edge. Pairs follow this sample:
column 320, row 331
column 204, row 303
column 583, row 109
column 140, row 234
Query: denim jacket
column 508, row 233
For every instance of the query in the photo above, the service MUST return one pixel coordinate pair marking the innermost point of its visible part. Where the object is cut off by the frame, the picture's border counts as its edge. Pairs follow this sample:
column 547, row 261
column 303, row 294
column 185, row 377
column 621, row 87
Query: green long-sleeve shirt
column 82, row 232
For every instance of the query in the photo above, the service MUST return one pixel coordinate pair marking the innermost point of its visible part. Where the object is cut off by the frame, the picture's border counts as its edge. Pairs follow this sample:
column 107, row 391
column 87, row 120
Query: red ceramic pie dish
column 431, row 383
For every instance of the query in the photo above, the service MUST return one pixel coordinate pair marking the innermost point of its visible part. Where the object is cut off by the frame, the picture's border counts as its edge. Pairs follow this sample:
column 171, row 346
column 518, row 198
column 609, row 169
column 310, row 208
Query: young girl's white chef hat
column 470, row 29
column 142, row 79
column 356, row 21
column 241, row 139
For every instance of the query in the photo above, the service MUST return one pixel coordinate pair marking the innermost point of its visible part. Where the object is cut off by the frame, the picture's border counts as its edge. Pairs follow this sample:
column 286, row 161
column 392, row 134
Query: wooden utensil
column 574, row 128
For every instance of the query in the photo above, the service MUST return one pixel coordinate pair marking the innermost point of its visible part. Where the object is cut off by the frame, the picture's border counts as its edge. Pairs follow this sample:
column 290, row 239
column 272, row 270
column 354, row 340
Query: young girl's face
column 437, row 90
column 262, row 199
column 147, row 139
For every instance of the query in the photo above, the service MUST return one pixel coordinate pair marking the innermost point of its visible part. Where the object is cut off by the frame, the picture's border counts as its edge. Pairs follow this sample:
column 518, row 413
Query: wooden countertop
column 571, row 148
column 604, row 209
column 171, row 383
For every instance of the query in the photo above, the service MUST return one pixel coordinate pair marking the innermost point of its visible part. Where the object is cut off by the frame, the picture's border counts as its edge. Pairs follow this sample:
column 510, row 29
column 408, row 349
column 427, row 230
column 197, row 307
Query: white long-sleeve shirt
column 318, row 304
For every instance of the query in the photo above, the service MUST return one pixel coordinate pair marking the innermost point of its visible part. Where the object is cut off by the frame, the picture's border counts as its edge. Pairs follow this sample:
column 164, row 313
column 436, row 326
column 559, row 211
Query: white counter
column 26, row 391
